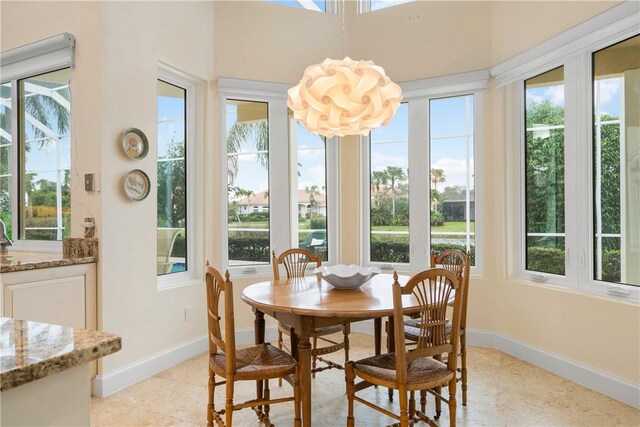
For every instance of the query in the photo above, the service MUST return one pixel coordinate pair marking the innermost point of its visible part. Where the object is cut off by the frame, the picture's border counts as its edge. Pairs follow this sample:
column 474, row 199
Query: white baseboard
column 107, row 384
column 596, row 380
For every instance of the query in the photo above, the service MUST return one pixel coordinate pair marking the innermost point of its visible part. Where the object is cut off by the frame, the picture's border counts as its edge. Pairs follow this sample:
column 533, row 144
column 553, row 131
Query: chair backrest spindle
column 216, row 286
column 295, row 262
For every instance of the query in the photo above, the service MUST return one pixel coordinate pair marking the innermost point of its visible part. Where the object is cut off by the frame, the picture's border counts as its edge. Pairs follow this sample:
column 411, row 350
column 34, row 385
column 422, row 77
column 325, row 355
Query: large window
column 309, row 188
column 616, row 162
column 172, row 170
column 248, row 182
column 279, row 179
column 389, row 186
column 35, row 173
column 315, row 5
column 544, row 165
column 452, row 213
column 419, row 186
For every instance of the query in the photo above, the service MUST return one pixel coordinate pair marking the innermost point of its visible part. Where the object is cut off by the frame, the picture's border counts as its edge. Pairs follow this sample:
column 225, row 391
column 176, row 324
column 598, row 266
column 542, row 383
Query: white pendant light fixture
column 344, row 97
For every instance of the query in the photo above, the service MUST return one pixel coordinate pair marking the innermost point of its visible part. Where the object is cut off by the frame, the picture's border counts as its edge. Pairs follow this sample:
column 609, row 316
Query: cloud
column 380, row 161
column 609, row 88
column 455, row 171
column 312, row 176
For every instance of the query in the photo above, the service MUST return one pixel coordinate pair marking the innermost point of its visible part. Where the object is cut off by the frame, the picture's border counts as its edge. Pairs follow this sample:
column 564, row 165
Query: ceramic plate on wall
column 135, row 143
column 137, row 185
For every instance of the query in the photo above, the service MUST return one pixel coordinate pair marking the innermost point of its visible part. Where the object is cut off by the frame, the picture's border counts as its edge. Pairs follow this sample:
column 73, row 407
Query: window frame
column 194, row 175
column 281, row 198
column 17, row 168
column 572, row 49
column 418, row 94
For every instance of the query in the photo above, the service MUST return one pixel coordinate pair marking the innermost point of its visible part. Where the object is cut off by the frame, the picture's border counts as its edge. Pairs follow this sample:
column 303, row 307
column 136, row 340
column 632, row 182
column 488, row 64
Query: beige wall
column 519, row 25
column 424, row 38
column 136, row 36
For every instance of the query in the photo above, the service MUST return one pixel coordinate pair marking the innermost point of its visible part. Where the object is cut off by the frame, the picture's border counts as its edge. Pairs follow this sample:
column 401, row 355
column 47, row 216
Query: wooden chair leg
column 404, row 411
column 412, row 405
column 423, row 401
column 391, row 344
column 351, row 390
column 229, row 402
column 463, row 363
column 297, row 422
column 210, row 404
column 345, row 331
column 267, row 396
column 438, row 403
column 280, row 347
column 314, row 357
column 452, row 402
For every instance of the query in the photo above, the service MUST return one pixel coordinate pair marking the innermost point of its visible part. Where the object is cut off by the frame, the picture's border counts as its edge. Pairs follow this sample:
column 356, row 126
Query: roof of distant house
column 261, row 199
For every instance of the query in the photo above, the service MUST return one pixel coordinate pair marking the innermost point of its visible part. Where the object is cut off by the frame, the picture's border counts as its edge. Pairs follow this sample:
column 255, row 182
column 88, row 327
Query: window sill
column 167, row 282
column 589, row 289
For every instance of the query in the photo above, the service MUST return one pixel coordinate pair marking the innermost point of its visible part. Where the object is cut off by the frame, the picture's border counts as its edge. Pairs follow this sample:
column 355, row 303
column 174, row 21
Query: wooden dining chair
column 458, row 263
column 417, row 369
column 256, row 363
column 295, row 262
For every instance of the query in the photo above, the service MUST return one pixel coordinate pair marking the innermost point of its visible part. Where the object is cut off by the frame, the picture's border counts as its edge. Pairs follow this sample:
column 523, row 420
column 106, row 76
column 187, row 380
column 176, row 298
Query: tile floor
column 503, row 391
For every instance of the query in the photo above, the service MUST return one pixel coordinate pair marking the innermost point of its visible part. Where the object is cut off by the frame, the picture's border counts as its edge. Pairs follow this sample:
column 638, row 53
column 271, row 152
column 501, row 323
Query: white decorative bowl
column 346, row 276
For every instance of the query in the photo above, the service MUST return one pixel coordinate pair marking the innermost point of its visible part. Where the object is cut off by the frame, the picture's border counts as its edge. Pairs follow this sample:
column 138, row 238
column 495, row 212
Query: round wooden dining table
column 309, row 303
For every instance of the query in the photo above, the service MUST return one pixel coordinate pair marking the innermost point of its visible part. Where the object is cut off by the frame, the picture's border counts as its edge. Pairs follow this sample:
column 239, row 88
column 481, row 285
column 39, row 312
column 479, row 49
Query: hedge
column 550, row 260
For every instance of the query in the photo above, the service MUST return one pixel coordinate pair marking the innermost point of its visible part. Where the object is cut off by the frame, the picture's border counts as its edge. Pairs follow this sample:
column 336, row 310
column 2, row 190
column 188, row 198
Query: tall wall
column 136, row 36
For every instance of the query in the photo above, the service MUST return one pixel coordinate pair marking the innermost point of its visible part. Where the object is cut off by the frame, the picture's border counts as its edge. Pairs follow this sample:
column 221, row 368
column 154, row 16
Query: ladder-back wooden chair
column 256, row 363
column 417, row 369
column 295, row 262
column 458, row 263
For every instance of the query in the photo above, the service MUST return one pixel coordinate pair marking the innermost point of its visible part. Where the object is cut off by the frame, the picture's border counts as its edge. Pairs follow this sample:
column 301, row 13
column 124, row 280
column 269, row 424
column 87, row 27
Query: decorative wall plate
column 137, row 185
column 135, row 143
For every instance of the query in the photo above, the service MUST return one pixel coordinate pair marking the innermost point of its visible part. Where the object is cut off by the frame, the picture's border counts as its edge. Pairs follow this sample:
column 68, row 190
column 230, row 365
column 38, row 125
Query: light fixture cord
column 343, row 4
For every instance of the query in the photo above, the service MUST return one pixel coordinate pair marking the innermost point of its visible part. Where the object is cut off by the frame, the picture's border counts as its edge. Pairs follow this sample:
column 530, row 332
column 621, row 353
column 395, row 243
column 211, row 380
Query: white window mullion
column 573, row 98
column 332, row 167
column 419, row 184
column 478, row 129
column 279, row 195
column 15, row 158
column 365, row 184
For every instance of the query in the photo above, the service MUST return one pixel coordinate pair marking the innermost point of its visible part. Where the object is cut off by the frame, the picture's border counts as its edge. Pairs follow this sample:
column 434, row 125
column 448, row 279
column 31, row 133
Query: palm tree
column 379, row 178
column 395, row 174
column 240, row 132
column 312, row 192
column 437, row 176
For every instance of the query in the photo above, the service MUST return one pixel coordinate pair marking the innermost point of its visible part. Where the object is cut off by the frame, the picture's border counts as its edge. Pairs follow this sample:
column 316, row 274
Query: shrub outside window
column 544, row 165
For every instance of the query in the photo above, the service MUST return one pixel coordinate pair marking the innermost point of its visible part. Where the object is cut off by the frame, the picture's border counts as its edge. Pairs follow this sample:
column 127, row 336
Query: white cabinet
column 60, row 295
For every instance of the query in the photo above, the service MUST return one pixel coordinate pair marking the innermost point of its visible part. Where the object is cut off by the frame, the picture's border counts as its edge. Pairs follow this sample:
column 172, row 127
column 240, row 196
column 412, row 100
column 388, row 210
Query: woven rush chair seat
column 295, row 262
column 422, row 373
column 258, row 362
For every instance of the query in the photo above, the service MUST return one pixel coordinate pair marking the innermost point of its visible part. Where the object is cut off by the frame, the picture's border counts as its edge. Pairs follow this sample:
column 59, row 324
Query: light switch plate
column 89, row 182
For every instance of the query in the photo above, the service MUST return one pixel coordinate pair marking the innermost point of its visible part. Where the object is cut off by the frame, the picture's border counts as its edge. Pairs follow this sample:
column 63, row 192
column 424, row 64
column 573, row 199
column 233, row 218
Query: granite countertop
column 33, row 350
column 21, row 261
